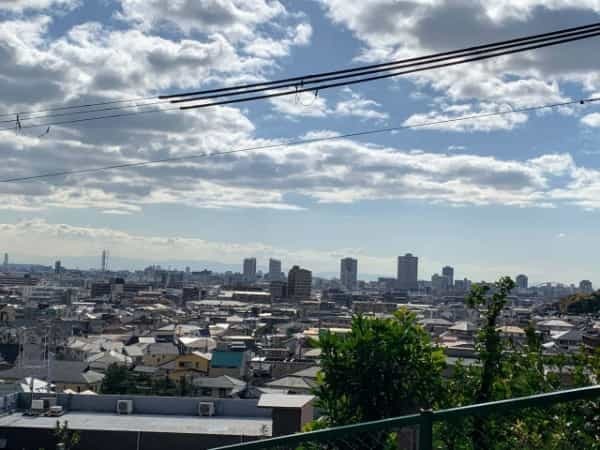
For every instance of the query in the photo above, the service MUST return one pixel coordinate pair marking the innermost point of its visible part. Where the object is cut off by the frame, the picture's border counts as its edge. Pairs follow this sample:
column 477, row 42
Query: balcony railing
column 386, row 433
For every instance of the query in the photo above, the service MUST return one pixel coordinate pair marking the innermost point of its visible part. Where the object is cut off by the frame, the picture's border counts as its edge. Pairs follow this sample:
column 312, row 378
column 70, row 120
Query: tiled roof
column 222, row 382
column 73, row 372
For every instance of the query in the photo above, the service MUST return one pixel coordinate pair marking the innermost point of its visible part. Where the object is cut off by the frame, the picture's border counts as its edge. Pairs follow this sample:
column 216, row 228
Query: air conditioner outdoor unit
column 124, row 406
column 56, row 411
column 49, row 401
column 206, row 409
column 37, row 405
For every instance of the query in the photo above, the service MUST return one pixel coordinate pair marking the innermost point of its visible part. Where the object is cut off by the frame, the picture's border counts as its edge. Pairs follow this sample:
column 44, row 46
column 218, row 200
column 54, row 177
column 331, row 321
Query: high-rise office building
column 349, row 273
column 57, row 267
column 522, row 281
column 274, row 269
column 439, row 283
column 249, row 270
column 408, row 270
column 299, row 283
column 585, row 286
column 5, row 260
column 448, row 272
column 278, row 289
column 104, row 260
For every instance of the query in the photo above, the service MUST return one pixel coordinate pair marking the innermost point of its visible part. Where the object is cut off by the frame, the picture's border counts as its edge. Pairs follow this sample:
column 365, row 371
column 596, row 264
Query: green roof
column 227, row 359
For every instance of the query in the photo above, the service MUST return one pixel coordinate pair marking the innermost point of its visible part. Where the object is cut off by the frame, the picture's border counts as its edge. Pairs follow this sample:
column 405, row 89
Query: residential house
column 553, row 326
column 570, row 340
column 189, row 344
column 75, row 375
column 102, row 361
column 135, row 352
column 300, row 382
column 219, row 387
column 187, row 367
column 228, row 363
column 159, row 353
column 463, row 330
column 435, row 326
column 512, row 333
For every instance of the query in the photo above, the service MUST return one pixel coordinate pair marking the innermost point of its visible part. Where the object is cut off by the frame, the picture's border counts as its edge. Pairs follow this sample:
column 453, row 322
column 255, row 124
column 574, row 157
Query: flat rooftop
column 232, row 426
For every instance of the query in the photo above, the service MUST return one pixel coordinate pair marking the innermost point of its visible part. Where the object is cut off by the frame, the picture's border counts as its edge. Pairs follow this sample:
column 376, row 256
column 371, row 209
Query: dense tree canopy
column 121, row 380
column 389, row 367
column 382, row 368
column 581, row 303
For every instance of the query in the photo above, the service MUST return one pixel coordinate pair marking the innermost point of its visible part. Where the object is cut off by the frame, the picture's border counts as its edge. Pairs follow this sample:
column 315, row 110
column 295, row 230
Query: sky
column 499, row 196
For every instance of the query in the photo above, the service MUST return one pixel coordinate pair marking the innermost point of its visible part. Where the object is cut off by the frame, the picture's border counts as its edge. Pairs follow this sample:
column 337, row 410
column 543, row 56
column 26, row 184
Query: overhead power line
column 85, row 111
column 301, row 81
column 85, row 105
column 316, row 81
column 297, row 142
column 92, row 118
column 321, row 87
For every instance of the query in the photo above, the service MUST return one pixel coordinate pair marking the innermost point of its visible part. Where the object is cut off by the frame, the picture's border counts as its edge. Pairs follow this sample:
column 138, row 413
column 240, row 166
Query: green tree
column 381, row 368
column 119, row 380
column 489, row 348
column 67, row 438
column 164, row 386
column 507, row 370
column 185, row 387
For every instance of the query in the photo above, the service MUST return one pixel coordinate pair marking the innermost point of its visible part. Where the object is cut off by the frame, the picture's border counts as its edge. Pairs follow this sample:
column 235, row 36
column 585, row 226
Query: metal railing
column 358, row 435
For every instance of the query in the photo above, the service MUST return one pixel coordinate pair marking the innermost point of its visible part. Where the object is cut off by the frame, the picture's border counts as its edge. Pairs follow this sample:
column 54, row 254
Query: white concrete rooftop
column 232, row 426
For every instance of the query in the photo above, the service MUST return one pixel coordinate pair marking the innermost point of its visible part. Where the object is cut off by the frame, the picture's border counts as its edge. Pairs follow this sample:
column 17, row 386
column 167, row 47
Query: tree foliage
column 389, row 367
column 581, row 303
column 381, row 368
column 507, row 370
column 121, row 380
column 118, row 380
column 68, row 438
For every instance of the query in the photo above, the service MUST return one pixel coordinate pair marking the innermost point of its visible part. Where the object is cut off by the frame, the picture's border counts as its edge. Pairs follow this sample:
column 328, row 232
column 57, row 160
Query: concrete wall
column 154, row 405
column 35, row 439
column 286, row 421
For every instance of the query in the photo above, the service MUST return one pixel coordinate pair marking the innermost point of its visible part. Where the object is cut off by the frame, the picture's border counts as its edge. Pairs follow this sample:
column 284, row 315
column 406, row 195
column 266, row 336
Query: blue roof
column 227, row 359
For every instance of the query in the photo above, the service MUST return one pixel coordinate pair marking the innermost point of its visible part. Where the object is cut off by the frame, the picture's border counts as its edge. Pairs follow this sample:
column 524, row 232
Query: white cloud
column 235, row 18
column 270, row 47
column 358, row 106
column 320, row 134
column 313, row 104
column 19, row 6
column 501, row 10
column 582, row 190
column 591, row 120
column 336, row 171
column 390, row 30
column 449, row 113
column 304, row 104
column 93, row 62
column 239, row 22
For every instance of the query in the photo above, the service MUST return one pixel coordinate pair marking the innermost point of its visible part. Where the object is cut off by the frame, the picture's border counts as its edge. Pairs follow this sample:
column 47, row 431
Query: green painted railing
column 424, row 420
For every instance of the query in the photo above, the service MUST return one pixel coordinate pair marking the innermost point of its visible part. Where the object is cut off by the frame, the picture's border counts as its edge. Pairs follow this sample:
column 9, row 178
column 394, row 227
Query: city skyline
column 521, row 280
column 522, row 186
